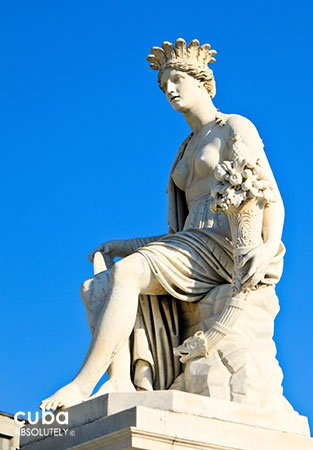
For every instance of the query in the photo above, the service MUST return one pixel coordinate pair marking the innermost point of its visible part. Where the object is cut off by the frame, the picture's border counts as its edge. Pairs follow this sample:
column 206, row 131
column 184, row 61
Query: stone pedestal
column 169, row 420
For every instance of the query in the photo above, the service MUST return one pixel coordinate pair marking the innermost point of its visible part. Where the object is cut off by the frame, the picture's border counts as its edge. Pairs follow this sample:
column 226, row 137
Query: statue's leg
column 129, row 277
column 119, row 374
column 95, row 294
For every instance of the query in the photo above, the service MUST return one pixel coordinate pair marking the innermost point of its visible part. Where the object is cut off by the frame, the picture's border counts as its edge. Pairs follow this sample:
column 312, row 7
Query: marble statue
column 193, row 310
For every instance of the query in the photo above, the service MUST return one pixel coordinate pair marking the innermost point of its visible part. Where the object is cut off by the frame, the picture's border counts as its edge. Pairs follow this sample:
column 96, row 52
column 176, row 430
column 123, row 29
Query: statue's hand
column 254, row 265
column 111, row 248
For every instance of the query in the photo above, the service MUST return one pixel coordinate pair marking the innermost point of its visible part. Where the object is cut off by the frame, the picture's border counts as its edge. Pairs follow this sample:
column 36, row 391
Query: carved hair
column 193, row 60
column 205, row 76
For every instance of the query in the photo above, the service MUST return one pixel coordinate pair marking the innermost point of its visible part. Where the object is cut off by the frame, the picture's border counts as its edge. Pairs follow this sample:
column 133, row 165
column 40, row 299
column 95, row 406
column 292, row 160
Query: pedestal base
column 169, row 420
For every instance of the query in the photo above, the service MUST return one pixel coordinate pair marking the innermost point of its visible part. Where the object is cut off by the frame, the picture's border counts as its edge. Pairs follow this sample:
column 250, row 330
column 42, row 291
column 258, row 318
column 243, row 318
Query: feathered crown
column 170, row 56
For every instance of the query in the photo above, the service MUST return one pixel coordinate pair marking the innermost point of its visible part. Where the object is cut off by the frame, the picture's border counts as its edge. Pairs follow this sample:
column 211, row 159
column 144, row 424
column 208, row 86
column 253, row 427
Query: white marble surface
column 210, row 280
column 175, row 420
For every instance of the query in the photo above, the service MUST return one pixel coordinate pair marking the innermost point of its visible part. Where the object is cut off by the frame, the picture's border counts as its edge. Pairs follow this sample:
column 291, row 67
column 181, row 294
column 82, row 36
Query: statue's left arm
column 257, row 260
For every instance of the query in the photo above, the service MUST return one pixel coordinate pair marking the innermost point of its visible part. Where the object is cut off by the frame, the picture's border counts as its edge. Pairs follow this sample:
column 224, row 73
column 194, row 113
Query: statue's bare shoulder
column 242, row 128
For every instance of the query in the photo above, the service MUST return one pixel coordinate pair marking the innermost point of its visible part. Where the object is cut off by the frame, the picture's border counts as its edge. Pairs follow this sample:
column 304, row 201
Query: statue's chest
column 198, row 161
column 206, row 158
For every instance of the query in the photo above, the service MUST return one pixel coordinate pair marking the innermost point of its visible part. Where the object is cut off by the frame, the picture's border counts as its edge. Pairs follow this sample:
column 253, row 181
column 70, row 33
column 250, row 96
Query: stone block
column 171, row 420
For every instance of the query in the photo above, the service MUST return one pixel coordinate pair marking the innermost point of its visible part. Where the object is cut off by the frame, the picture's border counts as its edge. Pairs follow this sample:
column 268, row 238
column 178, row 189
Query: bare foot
column 67, row 396
column 114, row 385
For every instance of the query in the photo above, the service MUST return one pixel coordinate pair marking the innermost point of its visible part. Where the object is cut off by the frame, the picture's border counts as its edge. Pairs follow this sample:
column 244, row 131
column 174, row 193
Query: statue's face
column 182, row 90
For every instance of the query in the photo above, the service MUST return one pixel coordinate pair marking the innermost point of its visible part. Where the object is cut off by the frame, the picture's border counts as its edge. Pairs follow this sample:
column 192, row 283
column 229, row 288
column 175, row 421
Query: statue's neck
column 200, row 114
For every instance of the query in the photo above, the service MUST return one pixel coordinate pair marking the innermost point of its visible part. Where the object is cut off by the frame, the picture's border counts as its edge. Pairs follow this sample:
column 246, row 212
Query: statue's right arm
column 123, row 247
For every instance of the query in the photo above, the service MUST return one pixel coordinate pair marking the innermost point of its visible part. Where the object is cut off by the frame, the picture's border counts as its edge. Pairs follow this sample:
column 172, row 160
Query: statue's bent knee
column 120, row 273
column 129, row 271
column 86, row 289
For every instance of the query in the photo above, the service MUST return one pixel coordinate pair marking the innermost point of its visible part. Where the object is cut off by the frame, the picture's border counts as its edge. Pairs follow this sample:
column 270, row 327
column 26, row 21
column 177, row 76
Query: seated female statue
column 140, row 308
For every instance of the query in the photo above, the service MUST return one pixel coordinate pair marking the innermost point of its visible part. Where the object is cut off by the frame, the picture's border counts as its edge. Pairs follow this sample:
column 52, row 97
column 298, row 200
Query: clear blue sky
column 87, row 140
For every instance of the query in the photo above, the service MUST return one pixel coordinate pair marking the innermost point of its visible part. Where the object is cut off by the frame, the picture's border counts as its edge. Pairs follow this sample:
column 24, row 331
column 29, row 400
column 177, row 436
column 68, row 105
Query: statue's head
column 183, row 69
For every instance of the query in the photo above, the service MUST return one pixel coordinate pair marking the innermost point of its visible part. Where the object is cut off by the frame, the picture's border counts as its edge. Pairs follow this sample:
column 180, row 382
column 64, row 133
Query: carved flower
column 239, row 179
column 254, row 193
column 236, row 197
column 261, row 184
column 235, row 179
column 246, row 185
column 220, row 172
column 247, row 173
column 218, row 188
column 259, row 169
column 269, row 195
